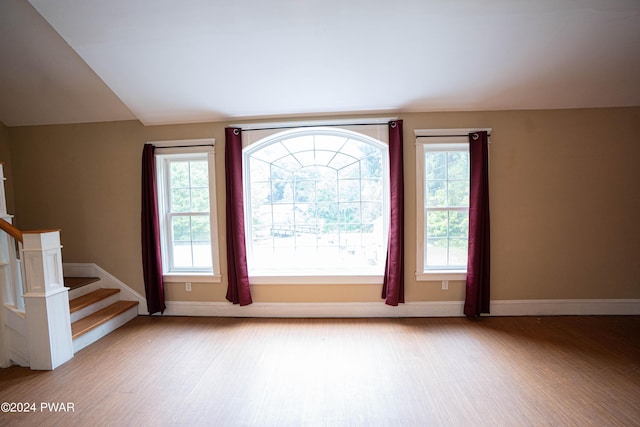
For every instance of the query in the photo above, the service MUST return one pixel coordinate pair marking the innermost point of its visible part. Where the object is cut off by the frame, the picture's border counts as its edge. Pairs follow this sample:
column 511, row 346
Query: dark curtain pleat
column 238, row 290
column 393, row 285
column 151, row 251
column 478, row 268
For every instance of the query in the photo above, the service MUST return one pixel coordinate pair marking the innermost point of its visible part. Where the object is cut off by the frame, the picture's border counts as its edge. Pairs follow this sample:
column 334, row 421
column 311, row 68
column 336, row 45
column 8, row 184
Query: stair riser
column 84, row 312
column 78, row 292
column 95, row 334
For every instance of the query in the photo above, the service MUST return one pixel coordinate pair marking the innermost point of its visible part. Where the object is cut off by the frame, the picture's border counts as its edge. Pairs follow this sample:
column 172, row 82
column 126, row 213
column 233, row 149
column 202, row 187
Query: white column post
column 46, row 301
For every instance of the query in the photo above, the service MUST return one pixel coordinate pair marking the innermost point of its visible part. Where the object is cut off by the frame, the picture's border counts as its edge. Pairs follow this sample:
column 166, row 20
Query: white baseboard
column 411, row 309
column 566, row 307
column 109, row 280
column 555, row 307
column 354, row 309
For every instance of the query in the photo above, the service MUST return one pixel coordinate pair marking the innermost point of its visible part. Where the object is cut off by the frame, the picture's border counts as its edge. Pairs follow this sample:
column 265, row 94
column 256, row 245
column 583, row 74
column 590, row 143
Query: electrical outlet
column 187, row 286
column 445, row 285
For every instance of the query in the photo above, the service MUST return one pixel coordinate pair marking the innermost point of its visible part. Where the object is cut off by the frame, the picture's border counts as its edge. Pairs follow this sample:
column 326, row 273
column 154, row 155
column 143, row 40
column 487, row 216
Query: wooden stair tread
column 90, row 298
column 78, row 282
column 96, row 319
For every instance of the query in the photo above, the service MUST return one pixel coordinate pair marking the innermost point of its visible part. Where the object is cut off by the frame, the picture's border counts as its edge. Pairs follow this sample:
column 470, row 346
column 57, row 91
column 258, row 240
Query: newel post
column 46, row 301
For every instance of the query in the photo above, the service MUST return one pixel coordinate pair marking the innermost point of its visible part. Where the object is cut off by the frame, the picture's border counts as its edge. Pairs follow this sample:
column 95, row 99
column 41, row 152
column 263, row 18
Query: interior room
column 86, row 88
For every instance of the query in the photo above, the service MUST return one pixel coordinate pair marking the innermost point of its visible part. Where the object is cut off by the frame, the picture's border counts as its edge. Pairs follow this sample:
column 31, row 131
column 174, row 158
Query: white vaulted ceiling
column 168, row 61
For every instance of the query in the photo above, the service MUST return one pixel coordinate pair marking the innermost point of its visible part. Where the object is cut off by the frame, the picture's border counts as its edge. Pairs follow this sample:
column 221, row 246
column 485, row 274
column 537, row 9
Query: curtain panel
column 151, row 251
column 238, row 290
column 393, row 284
column 478, row 267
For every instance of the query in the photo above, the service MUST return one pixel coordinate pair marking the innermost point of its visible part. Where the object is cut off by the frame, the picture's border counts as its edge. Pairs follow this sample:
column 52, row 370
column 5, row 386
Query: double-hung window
column 442, row 207
column 187, row 211
column 316, row 206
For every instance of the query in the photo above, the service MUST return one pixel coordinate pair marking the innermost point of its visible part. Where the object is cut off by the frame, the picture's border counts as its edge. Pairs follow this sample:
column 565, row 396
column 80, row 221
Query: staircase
column 95, row 311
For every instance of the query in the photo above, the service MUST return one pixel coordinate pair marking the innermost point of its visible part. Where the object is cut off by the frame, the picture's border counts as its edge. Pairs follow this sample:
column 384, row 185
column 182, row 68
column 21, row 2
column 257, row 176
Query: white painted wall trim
column 292, row 310
column 412, row 309
column 566, row 307
column 109, row 281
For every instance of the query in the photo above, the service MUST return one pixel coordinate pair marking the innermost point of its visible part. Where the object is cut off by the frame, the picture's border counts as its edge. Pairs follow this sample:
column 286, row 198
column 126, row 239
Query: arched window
column 316, row 204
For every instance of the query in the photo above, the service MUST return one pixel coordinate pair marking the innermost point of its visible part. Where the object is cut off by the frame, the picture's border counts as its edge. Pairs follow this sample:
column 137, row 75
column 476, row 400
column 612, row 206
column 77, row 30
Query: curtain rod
column 184, row 143
column 183, row 146
column 440, row 133
column 319, row 123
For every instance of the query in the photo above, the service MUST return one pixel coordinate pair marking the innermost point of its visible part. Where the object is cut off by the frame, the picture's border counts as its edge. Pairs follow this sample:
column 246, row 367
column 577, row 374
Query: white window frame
column 377, row 134
column 453, row 140
column 186, row 150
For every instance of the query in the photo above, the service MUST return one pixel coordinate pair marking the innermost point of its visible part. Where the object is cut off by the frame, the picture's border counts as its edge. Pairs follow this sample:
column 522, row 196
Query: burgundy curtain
column 151, row 253
column 393, row 285
column 238, row 290
column 477, row 294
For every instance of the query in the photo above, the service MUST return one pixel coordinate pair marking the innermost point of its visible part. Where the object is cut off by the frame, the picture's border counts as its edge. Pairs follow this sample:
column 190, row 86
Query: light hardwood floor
column 558, row 371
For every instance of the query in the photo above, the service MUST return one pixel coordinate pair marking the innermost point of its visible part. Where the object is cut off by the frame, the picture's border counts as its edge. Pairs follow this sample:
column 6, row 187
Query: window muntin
column 316, row 204
column 188, row 229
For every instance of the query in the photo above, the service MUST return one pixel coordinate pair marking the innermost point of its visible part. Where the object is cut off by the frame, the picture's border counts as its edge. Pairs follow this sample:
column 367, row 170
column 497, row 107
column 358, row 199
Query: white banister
column 46, row 301
column 34, row 296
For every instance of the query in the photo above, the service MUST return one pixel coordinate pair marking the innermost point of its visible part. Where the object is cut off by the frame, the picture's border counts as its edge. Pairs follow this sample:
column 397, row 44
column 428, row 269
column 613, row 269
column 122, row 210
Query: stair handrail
column 11, row 230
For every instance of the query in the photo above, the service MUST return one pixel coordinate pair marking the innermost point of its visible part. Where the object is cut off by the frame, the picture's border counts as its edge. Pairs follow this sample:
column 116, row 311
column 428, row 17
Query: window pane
column 202, row 255
column 200, row 200
column 182, row 256
column 458, row 224
column 271, row 152
column 305, row 158
column 458, row 193
column 350, row 213
column 283, row 214
column 436, row 193
column 446, row 229
column 371, row 189
column 181, row 228
column 340, row 161
column 180, row 200
column 435, row 165
column 260, row 170
column 298, row 144
column 260, row 192
column 458, row 250
column 458, row 165
column 371, row 166
column 288, row 163
column 183, row 188
column 348, row 190
column 179, row 174
column 327, row 213
column 320, row 215
column 371, row 212
column 327, row 190
column 437, row 224
column 199, row 173
column 281, row 192
column 305, row 191
column 351, row 171
column 436, row 252
column 200, row 229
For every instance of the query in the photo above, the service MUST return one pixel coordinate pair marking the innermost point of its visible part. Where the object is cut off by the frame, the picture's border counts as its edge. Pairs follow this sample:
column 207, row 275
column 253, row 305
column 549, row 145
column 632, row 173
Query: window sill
column 439, row 275
column 187, row 277
column 315, row 280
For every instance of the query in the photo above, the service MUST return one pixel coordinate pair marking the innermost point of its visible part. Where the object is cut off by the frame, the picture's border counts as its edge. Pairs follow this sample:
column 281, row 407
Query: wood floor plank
column 166, row 371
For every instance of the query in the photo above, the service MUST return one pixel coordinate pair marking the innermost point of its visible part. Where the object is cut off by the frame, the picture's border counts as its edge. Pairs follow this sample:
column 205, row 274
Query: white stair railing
column 35, row 324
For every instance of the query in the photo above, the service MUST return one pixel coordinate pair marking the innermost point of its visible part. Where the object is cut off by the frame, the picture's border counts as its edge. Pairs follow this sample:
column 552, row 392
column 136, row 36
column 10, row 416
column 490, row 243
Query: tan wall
column 5, row 157
column 564, row 202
